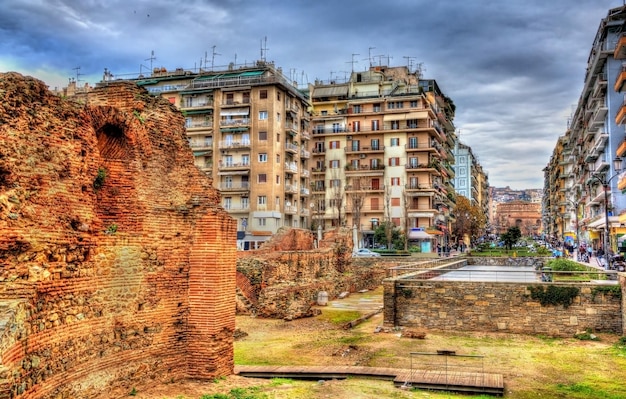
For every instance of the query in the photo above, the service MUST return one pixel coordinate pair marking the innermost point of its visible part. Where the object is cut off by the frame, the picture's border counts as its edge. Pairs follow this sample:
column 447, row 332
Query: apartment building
column 470, row 180
column 582, row 193
column 249, row 130
column 382, row 145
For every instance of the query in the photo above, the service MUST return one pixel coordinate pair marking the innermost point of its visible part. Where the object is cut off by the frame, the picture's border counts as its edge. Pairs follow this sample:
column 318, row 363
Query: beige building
column 382, row 150
column 249, row 129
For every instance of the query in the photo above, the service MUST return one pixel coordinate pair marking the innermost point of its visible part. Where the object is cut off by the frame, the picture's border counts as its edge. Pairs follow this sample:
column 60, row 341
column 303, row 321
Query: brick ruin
column 117, row 265
column 283, row 278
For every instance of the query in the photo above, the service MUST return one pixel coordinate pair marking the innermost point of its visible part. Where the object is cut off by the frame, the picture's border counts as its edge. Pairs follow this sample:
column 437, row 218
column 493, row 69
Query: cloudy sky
column 513, row 68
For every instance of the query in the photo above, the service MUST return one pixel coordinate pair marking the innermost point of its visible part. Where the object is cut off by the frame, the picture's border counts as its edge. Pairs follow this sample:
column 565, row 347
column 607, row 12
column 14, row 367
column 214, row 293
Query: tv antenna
column 353, row 61
column 264, row 48
column 369, row 55
column 78, row 74
column 213, row 54
column 152, row 58
column 409, row 62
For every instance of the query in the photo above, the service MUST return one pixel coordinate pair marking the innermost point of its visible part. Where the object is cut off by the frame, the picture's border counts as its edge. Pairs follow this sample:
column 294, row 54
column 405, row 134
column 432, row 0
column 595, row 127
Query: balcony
column 233, row 145
column 291, row 209
column 364, row 149
column 305, row 135
column 291, row 189
column 366, row 170
column 198, row 124
column 238, row 209
column 304, row 154
column 291, row 128
column 305, row 173
column 621, row 150
column 235, row 122
column 291, row 167
column 319, row 151
column 599, row 87
column 599, row 112
column 226, row 166
column 304, row 191
column 318, row 170
column 231, row 187
column 291, row 148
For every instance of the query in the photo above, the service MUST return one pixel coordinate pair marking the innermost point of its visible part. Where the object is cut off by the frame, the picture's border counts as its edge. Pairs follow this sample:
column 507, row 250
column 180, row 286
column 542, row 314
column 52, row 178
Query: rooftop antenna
column 388, row 58
column 353, row 61
column 419, row 70
column 152, row 58
column 213, row 54
column 78, row 74
column 369, row 53
column 264, row 48
column 409, row 61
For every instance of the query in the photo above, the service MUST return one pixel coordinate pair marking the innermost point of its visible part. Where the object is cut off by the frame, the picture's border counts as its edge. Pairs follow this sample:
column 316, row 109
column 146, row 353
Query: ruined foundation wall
column 117, row 266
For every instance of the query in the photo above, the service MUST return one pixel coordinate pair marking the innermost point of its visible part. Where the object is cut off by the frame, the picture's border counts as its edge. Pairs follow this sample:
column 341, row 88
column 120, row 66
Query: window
column 411, row 123
column 324, row 112
column 262, row 222
column 376, row 124
column 230, row 98
column 262, row 115
column 356, row 109
column 355, row 164
column 395, row 221
column 412, row 142
column 277, row 201
column 245, row 202
column 395, row 201
column 277, row 179
column 375, row 143
column 263, row 136
column 278, row 116
column 413, row 104
column 262, row 200
column 334, row 163
column 262, row 94
column 375, row 184
column 376, row 107
column 355, row 145
column 245, row 160
column 228, row 202
column 395, row 161
column 277, row 96
column 413, row 162
column 374, row 163
column 356, row 126
column 277, row 158
column 228, row 181
column 228, row 160
column 246, row 97
column 333, row 145
column 262, row 178
column 374, row 204
column 395, row 181
column 335, row 183
column 394, row 142
column 336, row 127
column 395, row 125
column 262, row 157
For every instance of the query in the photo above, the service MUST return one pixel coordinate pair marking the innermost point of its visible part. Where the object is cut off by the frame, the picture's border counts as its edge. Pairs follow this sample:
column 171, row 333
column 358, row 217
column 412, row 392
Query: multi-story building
column 581, row 178
column 249, row 129
column 470, row 180
column 382, row 151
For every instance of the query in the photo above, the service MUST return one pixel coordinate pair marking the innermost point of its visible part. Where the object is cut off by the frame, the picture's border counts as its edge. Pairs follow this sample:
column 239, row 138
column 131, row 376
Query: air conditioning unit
column 349, row 137
column 363, row 155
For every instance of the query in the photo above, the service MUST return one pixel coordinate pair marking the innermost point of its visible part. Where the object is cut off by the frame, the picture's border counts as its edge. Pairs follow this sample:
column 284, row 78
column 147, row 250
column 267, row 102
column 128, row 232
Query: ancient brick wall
column 286, row 275
column 496, row 307
column 117, row 266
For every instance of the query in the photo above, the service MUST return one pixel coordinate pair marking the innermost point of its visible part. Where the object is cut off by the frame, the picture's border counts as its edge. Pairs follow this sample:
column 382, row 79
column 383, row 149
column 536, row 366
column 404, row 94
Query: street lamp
column 605, row 181
column 575, row 206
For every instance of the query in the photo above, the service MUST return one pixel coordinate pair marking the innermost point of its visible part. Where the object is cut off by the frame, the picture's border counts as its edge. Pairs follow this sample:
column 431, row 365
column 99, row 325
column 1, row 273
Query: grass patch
column 581, row 390
column 339, row 316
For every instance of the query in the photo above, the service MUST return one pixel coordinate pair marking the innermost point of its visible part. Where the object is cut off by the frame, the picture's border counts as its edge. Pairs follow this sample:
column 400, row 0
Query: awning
column 435, row 232
column 331, row 91
column 197, row 111
column 416, row 234
column 201, row 153
column 406, row 116
column 234, row 172
column 198, row 91
column 232, row 75
column 235, row 112
column 146, row 82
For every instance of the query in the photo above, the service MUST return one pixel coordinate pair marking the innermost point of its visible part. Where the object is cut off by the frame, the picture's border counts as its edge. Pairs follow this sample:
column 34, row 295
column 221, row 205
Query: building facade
column 583, row 197
column 249, row 129
column 382, row 151
column 470, row 180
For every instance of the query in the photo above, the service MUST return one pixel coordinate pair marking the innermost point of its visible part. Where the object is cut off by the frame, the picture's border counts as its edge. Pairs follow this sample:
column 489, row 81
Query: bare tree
column 407, row 197
column 387, row 215
column 357, row 199
column 337, row 197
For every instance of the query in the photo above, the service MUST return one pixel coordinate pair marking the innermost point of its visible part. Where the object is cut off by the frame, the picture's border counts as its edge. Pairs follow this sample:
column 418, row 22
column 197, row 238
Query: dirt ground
column 531, row 366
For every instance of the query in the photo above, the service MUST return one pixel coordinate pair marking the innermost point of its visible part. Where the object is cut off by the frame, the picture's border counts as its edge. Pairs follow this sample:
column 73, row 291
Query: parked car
column 364, row 252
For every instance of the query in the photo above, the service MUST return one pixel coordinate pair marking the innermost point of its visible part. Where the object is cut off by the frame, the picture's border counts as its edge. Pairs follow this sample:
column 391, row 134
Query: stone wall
column 496, row 307
column 117, row 266
column 285, row 283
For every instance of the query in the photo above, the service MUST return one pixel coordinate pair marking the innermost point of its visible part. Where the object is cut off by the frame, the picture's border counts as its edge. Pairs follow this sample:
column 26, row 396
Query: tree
column 511, row 236
column 389, row 227
column 357, row 199
column 381, row 234
column 470, row 219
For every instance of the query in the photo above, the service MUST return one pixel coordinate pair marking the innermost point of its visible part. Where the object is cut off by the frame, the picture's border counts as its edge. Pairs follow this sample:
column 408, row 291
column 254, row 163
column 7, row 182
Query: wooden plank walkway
column 424, row 379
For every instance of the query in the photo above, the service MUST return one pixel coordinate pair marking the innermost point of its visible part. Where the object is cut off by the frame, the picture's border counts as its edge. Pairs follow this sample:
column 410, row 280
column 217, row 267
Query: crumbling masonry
column 117, row 266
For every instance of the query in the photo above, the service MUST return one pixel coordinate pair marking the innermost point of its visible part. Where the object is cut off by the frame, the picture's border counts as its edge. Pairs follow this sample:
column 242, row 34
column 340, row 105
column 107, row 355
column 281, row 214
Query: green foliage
column 133, row 392
column 238, row 393
column 280, row 381
column 138, row 115
column 112, row 229
column 98, row 182
column 380, row 236
column 510, row 238
column 586, row 336
column 565, row 265
column 415, row 249
column 609, row 290
column 582, row 390
column 554, row 295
